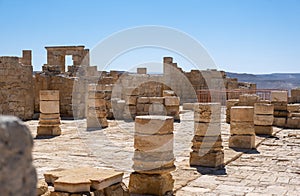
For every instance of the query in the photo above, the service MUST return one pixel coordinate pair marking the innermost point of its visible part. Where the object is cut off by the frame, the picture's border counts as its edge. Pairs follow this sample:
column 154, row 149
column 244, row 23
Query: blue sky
column 246, row 36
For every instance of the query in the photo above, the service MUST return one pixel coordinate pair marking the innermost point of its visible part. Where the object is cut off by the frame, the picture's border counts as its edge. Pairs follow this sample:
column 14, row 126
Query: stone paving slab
column 113, row 148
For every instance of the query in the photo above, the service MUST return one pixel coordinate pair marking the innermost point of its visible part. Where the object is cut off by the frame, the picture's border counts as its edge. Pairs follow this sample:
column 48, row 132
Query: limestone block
column 96, row 102
column 293, row 114
column 49, row 107
column 42, row 188
column 96, row 95
column 242, row 141
column 281, row 106
column 210, row 142
column 78, row 179
column 248, row 99
column 168, row 93
column 280, row 113
column 241, row 114
column 212, row 159
column 143, row 100
column 293, row 122
column 188, row 106
column 207, row 129
column 118, row 189
column 154, row 124
column 49, row 95
column 242, row 128
column 279, row 121
column 141, row 70
column 263, row 130
column 295, row 95
column 48, row 130
column 263, row 119
column 231, row 102
column 263, row 108
column 150, row 184
column 17, row 174
column 49, row 121
column 156, row 100
column 49, row 116
column 153, row 142
column 207, row 112
column 157, row 109
column 279, row 96
column 293, row 107
column 131, row 100
column 172, row 101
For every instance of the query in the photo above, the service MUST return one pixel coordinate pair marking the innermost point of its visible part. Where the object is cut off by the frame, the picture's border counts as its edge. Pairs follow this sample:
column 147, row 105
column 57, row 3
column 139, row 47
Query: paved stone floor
column 272, row 169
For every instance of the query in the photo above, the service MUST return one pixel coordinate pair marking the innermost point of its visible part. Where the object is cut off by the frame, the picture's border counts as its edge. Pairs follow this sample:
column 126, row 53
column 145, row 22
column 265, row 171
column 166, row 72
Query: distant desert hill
column 269, row 81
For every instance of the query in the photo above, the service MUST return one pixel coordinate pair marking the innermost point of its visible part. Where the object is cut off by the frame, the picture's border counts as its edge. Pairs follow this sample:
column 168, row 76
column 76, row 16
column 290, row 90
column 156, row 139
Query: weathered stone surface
column 279, row 121
column 207, row 129
column 48, row 130
column 293, row 122
column 279, row 96
column 248, row 99
column 212, row 159
column 263, row 130
column 154, row 167
column 82, row 179
column 153, row 142
column 131, row 100
column 150, row 184
column 49, row 107
column 293, row 107
column 280, row 113
column 49, row 116
column 143, row 100
column 168, row 93
column 281, row 106
column 49, row 95
column 263, row 119
column 17, row 174
column 242, row 141
column 154, row 124
column 242, row 114
column 210, row 142
column 156, row 100
column 172, row 101
column 188, row 106
column 263, row 108
column 241, row 128
column 41, row 188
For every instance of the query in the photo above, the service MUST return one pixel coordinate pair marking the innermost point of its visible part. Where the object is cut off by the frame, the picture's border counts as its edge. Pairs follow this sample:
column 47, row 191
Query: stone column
column 49, row 120
column 207, row 142
column 97, row 110
column 172, row 107
column 293, row 120
column 17, row 174
column 131, row 95
column 153, row 157
column 230, row 103
column 279, row 99
column 242, row 134
column 263, row 118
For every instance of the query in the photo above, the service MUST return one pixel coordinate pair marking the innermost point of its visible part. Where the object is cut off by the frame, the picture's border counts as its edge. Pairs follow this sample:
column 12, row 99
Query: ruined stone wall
column 71, row 99
column 16, row 87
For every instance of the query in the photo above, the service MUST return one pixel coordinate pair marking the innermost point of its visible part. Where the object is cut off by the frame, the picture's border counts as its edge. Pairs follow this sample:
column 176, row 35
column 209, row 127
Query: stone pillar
column 293, row 120
column 96, row 111
column 248, row 99
column 49, row 120
column 230, row 103
column 263, row 118
column 131, row 95
column 17, row 174
column 242, row 134
column 295, row 95
column 172, row 107
column 153, row 157
column 280, row 100
column 207, row 142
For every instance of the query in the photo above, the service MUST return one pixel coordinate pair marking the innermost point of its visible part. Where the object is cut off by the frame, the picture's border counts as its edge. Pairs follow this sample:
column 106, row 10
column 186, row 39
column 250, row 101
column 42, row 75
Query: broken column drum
column 207, row 149
column 153, row 157
column 49, row 121
column 242, row 134
column 263, row 118
column 97, row 109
